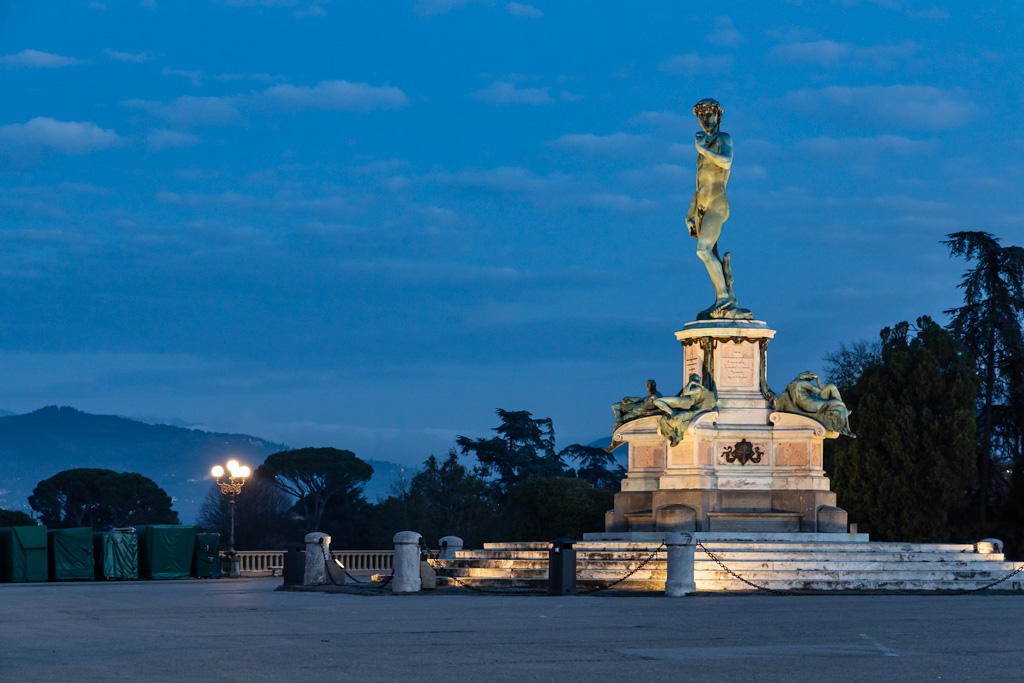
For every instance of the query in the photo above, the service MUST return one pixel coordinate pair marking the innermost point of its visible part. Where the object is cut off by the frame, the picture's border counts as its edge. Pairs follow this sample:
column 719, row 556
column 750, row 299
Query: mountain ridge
column 36, row 445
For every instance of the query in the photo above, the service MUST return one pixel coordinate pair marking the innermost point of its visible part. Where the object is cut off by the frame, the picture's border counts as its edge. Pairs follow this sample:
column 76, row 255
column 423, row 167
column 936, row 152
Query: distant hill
column 38, row 445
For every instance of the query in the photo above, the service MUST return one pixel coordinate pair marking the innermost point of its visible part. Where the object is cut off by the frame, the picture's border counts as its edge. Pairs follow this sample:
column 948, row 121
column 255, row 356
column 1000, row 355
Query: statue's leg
column 710, row 229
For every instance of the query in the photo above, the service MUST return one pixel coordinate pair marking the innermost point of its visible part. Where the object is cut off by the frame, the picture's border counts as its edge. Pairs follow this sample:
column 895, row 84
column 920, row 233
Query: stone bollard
column 987, row 546
column 318, row 546
column 449, row 546
column 407, row 563
column 679, row 578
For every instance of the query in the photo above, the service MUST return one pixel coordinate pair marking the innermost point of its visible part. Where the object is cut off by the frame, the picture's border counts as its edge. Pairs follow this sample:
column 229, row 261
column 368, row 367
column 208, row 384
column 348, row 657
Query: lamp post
column 231, row 486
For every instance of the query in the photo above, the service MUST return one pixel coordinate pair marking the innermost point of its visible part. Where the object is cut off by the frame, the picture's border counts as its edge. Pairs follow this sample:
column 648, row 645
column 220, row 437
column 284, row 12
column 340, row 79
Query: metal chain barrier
column 1009, row 576
column 776, row 591
column 431, row 557
column 630, row 573
column 513, row 591
column 749, row 583
column 330, row 578
column 477, row 589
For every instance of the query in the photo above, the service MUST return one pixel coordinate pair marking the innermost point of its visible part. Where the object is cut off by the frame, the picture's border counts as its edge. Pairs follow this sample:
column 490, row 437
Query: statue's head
column 807, row 376
column 652, row 386
column 709, row 113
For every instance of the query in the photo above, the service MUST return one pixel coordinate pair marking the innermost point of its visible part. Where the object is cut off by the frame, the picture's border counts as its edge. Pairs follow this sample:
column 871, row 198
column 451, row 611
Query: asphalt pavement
column 244, row 630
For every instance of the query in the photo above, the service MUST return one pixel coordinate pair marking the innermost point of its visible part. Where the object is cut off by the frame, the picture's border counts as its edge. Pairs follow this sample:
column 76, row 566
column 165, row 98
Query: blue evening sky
column 370, row 224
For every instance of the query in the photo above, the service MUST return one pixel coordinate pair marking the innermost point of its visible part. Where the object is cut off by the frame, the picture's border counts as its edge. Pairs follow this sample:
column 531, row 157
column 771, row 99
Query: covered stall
column 23, row 553
column 70, row 554
column 166, row 550
column 117, row 555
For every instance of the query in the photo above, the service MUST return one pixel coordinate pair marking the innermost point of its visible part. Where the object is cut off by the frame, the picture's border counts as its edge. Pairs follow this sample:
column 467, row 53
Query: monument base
column 729, row 537
column 742, row 467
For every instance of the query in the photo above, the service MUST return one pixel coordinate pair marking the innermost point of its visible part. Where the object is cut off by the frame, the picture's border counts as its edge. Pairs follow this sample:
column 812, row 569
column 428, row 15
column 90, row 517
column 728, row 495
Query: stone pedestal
column 742, row 467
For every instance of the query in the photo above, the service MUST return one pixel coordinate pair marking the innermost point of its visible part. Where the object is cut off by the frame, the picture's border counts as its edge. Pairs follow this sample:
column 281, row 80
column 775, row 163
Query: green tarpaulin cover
column 71, row 554
column 207, row 560
column 117, row 555
column 23, row 549
column 165, row 550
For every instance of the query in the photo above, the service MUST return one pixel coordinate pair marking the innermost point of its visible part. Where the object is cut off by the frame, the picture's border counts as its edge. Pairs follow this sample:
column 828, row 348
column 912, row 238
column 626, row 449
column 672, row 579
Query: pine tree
column 524, row 446
column 989, row 325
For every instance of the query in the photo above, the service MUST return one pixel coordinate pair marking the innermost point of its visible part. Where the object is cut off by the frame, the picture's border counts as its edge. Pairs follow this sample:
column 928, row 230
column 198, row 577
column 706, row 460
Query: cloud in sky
column 501, row 93
column 248, row 77
column 428, row 8
column 333, row 95
column 864, row 147
column 724, row 33
column 137, row 57
column 194, row 77
column 65, row 137
column 520, row 10
column 830, row 53
column 615, row 144
column 34, row 59
column 162, row 139
column 697, row 65
column 189, row 110
column 916, row 106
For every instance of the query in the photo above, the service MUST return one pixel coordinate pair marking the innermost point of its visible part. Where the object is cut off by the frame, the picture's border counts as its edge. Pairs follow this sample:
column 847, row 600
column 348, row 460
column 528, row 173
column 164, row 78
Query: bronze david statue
column 709, row 209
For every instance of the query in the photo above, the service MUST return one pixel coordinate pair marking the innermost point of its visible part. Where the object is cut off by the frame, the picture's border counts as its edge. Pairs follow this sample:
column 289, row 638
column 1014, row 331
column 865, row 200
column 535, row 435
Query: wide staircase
column 772, row 565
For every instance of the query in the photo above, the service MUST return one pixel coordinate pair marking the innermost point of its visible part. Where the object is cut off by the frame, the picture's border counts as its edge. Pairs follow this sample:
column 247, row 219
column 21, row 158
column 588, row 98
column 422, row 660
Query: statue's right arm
column 691, row 216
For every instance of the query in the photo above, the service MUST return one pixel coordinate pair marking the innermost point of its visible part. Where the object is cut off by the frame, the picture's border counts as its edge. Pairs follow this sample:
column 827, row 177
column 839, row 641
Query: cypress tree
column 913, row 461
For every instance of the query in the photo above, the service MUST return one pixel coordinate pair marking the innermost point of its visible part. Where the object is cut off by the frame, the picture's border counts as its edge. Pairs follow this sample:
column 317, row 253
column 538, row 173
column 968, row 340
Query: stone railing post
column 449, row 546
column 679, row 578
column 318, row 546
column 407, row 563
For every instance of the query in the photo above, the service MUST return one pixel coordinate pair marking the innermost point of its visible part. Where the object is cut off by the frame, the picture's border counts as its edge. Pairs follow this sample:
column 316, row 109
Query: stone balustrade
column 257, row 563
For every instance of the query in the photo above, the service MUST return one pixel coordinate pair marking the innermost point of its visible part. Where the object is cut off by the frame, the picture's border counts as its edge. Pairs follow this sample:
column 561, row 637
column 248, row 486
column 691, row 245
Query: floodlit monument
column 725, row 453
column 732, row 467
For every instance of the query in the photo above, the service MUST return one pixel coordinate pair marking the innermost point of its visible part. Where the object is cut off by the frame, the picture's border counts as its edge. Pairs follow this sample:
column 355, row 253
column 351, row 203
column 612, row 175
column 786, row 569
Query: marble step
column 739, row 555
column 731, row 584
column 609, row 546
column 835, row 569
column 619, row 568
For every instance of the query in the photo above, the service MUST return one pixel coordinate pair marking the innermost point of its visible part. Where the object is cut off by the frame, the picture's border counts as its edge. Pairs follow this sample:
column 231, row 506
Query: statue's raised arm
column 709, row 209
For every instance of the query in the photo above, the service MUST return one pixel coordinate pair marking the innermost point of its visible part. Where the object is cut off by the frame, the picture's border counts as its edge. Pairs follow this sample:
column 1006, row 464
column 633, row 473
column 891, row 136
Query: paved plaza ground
column 242, row 630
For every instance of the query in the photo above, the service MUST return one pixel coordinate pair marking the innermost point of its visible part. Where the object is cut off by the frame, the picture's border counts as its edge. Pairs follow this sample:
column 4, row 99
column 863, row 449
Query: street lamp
column 231, row 487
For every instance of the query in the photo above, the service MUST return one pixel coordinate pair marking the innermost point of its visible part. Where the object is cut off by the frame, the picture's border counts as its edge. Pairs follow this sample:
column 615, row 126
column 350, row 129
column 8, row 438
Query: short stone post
column 679, row 578
column 407, row 563
column 449, row 546
column 987, row 546
column 318, row 546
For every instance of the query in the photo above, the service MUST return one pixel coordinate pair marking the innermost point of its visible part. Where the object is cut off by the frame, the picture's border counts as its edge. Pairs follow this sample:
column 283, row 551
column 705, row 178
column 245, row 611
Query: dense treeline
column 939, row 413
column 513, row 486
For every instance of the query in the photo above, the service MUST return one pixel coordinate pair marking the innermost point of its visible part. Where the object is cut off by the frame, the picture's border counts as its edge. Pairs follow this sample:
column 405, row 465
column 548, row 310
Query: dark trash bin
column 562, row 567
column 294, row 570
column 206, row 560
